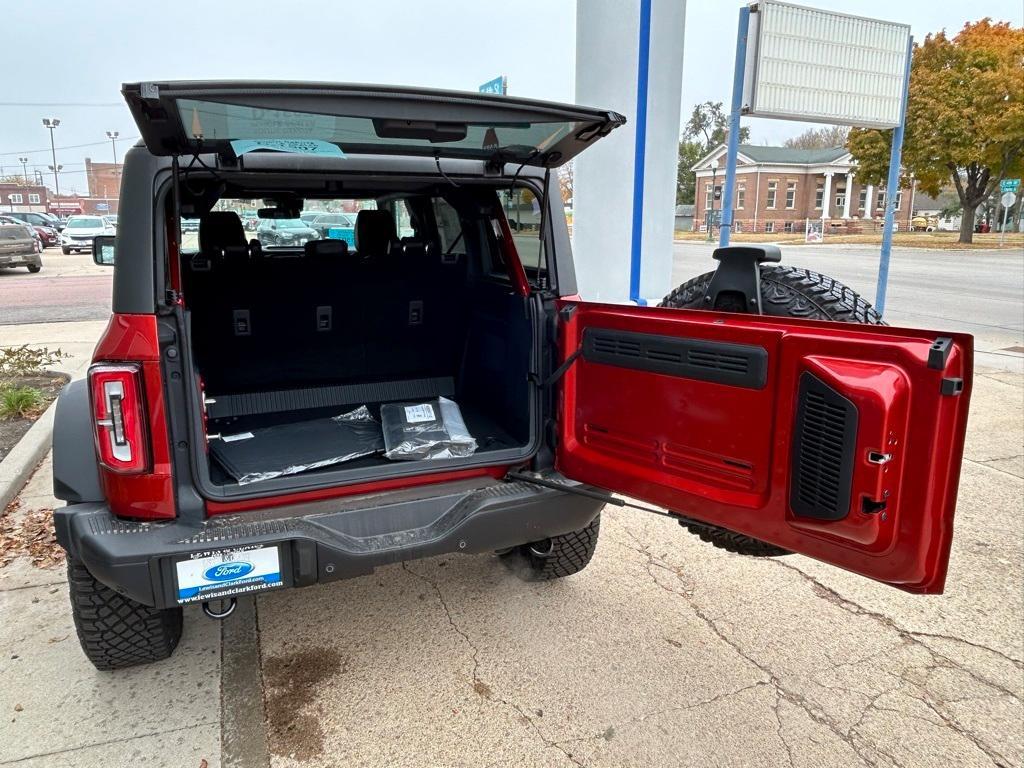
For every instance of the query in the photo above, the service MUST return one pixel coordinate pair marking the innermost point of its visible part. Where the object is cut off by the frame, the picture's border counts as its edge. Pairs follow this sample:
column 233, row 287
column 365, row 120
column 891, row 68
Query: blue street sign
column 1009, row 185
column 498, row 85
column 102, row 207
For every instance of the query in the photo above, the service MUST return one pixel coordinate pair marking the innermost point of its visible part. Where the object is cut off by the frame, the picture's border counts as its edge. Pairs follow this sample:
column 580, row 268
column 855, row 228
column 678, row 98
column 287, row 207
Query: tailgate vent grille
column 824, row 440
column 718, row 361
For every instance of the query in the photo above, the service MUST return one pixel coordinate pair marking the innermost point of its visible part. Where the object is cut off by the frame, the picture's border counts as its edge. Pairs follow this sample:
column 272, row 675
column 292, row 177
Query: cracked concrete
column 666, row 652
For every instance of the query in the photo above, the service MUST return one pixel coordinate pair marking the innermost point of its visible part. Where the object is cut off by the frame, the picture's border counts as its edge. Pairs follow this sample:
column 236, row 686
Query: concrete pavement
column 663, row 652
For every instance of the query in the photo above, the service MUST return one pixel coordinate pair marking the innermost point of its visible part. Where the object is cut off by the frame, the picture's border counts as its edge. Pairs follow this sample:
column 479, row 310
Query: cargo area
column 285, row 339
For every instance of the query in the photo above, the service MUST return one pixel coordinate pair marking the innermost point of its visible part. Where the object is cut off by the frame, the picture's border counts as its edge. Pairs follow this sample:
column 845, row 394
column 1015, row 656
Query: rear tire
column 33, row 268
column 65, row 251
column 785, row 292
column 560, row 556
column 114, row 631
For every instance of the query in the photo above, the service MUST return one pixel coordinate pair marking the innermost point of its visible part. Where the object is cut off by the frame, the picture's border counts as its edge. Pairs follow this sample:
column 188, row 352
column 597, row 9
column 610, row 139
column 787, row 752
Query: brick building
column 104, row 182
column 23, row 198
column 778, row 189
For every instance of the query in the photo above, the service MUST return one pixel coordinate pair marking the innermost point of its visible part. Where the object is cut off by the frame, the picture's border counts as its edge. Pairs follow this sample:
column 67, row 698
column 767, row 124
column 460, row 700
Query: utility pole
column 51, row 124
column 112, row 135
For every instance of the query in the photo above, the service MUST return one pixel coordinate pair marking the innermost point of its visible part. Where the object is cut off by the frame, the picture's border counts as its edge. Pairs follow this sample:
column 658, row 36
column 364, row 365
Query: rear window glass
column 227, row 122
column 12, row 232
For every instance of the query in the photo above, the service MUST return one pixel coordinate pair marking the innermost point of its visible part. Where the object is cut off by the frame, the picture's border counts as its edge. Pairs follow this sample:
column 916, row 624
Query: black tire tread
column 114, row 631
column 570, row 553
column 785, row 292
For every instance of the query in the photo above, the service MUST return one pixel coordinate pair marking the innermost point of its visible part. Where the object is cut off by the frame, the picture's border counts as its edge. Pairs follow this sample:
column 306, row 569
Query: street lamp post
column 711, row 214
column 24, row 168
column 51, row 124
column 112, row 135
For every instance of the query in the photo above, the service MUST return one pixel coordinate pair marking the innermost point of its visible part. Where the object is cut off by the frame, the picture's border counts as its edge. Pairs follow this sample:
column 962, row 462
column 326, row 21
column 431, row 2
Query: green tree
column 707, row 127
column 965, row 117
column 686, row 181
column 820, row 138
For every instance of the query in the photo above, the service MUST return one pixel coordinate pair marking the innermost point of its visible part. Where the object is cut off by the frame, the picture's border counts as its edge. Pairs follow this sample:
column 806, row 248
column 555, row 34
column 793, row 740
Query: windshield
column 85, row 222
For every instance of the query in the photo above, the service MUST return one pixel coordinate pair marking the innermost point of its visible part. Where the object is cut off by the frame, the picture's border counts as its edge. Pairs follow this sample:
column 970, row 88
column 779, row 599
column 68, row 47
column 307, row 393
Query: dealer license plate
column 228, row 572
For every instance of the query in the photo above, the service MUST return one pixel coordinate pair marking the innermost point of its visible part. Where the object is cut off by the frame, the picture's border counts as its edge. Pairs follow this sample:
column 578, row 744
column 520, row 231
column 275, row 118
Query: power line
column 62, row 104
column 69, row 146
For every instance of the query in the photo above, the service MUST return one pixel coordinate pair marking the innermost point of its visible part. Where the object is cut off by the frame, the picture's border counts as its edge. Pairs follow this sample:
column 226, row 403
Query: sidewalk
column 663, row 652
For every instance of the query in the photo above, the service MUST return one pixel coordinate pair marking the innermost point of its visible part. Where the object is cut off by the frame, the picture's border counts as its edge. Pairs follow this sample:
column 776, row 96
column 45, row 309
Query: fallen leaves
column 29, row 534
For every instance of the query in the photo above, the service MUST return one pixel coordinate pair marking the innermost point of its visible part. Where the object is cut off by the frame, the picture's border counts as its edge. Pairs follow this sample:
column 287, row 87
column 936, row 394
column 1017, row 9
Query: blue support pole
column 725, row 229
column 892, row 185
column 640, row 151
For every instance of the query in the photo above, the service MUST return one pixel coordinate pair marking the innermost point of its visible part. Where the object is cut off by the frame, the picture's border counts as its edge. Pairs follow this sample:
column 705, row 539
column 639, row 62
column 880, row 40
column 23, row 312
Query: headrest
column 220, row 229
column 326, row 248
column 416, row 248
column 375, row 232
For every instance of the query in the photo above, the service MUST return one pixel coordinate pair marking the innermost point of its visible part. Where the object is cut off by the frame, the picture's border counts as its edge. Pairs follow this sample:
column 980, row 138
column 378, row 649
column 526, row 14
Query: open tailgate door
column 839, row 441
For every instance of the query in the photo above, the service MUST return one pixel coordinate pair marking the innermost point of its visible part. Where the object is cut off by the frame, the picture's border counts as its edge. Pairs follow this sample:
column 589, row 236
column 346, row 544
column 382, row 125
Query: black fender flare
column 76, row 476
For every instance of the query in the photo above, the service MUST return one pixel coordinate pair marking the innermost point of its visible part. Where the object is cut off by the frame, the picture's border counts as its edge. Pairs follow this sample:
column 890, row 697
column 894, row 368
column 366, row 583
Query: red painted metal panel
column 150, row 496
column 722, row 453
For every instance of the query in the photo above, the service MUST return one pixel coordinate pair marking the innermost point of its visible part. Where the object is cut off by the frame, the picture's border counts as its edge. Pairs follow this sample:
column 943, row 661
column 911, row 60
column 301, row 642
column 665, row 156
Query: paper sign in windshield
column 292, row 146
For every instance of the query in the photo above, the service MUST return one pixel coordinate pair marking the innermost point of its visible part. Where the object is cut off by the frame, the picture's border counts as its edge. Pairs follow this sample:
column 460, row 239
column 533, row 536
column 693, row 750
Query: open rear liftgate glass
column 839, row 441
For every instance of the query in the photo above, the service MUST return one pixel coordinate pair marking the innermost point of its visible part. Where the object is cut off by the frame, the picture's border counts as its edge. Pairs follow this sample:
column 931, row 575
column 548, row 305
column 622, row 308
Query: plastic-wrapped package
column 287, row 449
column 430, row 429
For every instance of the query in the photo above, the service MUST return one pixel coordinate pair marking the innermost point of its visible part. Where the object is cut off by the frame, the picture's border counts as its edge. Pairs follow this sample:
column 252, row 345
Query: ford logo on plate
column 228, row 571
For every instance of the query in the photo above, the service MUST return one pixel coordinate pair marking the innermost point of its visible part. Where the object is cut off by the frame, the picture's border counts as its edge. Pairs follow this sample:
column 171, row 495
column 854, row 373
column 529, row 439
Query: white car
column 79, row 232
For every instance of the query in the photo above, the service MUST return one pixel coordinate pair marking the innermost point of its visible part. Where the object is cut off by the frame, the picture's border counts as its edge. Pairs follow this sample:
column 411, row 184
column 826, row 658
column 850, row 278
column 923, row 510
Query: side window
column 403, row 220
column 523, row 211
column 449, row 228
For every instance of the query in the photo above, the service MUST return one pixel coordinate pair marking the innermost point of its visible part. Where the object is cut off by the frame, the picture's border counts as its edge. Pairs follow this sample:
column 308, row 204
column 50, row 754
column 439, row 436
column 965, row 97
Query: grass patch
column 19, row 402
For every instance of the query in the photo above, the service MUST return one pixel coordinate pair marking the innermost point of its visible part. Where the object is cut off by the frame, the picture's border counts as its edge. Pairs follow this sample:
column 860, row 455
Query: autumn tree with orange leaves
column 965, row 117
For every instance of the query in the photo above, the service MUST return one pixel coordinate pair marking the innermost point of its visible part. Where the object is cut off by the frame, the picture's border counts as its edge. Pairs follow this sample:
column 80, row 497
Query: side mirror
column 103, row 250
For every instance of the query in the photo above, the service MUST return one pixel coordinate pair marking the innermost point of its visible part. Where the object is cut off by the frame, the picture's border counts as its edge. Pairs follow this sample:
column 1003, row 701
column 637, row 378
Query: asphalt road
column 69, row 289
column 974, row 291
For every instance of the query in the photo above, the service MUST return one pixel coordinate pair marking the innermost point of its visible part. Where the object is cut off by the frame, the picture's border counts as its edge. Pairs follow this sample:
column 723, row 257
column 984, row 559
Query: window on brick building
column 769, row 227
column 708, row 197
column 741, row 196
column 33, row 198
column 773, row 187
column 863, row 199
column 899, row 200
column 880, row 199
column 840, row 198
column 787, row 227
column 791, row 195
column 819, row 196
column 15, row 198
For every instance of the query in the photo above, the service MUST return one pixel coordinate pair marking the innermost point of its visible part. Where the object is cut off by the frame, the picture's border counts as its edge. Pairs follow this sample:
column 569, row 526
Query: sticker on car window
column 291, row 146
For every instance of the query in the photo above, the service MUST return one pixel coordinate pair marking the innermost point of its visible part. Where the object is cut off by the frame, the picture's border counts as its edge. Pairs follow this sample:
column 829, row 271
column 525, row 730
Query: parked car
column 283, row 233
column 43, row 227
column 79, row 232
column 338, row 226
column 257, row 420
column 111, row 221
column 19, row 246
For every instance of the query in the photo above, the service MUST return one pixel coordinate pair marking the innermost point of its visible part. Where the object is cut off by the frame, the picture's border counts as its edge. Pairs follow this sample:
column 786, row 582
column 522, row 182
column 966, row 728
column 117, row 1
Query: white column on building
column 849, row 194
column 869, row 202
column 826, row 201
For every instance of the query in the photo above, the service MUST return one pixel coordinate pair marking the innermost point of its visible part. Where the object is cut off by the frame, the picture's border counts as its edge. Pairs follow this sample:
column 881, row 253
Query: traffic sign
column 1009, row 185
column 1008, row 199
column 498, row 85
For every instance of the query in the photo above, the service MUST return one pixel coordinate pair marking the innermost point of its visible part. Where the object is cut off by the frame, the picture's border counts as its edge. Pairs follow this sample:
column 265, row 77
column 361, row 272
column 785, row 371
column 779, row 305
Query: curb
column 18, row 465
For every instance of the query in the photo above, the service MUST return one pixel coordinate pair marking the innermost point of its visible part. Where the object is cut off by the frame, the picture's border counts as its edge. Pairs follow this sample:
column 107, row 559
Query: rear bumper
column 323, row 541
column 20, row 260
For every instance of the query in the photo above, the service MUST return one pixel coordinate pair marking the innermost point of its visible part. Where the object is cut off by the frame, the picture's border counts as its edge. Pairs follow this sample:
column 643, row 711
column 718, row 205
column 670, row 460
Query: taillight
column 120, row 417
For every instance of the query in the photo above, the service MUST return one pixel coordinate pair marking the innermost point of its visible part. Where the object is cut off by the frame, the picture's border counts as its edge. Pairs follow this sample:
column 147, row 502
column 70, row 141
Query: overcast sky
column 78, row 53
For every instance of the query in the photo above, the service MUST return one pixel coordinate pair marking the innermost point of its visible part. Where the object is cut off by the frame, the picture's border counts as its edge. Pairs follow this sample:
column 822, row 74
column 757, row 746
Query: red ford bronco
column 279, row 412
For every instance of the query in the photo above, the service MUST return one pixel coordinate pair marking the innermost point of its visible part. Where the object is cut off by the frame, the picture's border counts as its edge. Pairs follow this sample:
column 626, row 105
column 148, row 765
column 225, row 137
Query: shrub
column 20, row 402
column 26, row 360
